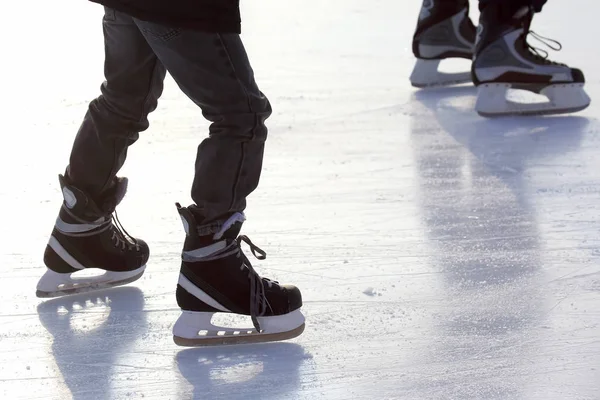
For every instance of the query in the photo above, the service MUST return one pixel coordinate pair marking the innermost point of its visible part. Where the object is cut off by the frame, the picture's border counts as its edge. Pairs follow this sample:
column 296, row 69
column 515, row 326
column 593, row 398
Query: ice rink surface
column 440, row 255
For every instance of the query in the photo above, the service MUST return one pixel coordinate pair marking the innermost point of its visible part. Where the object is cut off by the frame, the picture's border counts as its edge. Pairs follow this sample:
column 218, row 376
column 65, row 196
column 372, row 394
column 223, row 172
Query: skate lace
column 541, row 54
column 258, row 298
column 121, row 237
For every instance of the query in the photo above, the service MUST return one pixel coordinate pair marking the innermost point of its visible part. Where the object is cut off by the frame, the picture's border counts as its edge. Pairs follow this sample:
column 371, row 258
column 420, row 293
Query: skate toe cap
column 294, row 297
column 578, row 76
column 143, row 252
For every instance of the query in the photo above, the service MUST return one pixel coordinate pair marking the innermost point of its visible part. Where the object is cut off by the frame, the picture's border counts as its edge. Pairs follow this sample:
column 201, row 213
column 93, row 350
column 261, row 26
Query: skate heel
column 196, row 329
column 57, row 259
column 426, row 74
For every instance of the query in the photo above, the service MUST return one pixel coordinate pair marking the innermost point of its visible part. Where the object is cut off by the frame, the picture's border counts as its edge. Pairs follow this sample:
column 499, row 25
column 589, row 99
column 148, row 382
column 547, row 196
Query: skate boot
column 86, row 236
column 504, row 60
column 216, row 277
column 444, row 30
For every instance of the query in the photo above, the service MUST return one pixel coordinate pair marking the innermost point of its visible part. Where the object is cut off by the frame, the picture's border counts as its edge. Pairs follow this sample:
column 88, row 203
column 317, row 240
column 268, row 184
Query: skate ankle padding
column 211, row 231
column 85, row 206
column 233, row 223
column 73, row 197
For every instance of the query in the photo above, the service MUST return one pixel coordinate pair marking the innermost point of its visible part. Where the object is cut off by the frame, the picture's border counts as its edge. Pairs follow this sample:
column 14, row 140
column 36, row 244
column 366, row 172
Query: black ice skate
column 504, row 60
column 444, row 31
column 86, row 236
column 217, row 277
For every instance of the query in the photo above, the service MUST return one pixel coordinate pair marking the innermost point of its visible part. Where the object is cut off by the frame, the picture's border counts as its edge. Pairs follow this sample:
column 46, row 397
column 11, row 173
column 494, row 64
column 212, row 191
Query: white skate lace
column 258, row 298
column 121, row 237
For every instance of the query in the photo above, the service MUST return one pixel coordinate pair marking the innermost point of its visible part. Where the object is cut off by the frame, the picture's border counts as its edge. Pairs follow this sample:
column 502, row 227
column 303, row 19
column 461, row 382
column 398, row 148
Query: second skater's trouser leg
column 213, row 70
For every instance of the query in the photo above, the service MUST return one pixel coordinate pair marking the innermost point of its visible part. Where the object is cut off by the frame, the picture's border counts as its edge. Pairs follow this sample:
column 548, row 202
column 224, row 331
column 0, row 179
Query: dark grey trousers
column 536, row 4
column 213, row 71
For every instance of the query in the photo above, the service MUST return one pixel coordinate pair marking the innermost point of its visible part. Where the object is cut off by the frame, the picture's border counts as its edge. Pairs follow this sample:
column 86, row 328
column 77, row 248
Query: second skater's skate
column 444, row 31
column 216, row 277
column 505, row 61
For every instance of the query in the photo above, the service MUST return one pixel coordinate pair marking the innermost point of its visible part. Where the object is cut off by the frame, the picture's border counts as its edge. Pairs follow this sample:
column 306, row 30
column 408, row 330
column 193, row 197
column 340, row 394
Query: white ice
column 440, row 255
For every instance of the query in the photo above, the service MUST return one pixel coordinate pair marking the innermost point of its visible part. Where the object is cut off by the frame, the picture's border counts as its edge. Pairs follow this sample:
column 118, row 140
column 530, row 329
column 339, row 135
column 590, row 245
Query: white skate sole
column 195, row 329
column 562, row 99
column 54, row 284
column 426, row 74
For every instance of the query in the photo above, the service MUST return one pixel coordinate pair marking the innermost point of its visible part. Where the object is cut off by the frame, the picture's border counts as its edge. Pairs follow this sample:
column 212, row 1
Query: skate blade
column 53, row 284
column 562, row 99
column 230, row 339
column 426, row 75
column 195, row 329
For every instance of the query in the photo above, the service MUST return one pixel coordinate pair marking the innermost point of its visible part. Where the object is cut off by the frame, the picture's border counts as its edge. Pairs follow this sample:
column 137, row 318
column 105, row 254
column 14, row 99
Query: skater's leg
column 134, row 82
column 514, row 4
column 213, row 70
column 84, row 235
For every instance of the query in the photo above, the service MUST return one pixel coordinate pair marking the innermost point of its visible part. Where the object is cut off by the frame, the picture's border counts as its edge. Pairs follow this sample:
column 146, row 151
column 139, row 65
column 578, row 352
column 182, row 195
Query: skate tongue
column 237, row 218
column 120, row 189
column 521, row 12
column 188, row 220
column 114, row 195
column 73, row 197
column 85, row 206
column 193, row 228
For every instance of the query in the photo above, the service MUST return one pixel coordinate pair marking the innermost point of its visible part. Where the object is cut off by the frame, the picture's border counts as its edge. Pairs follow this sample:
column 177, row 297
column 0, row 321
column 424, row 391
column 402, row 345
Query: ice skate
column 505, row 61
column 216, row 277
column 87, row 237
column 444, row 31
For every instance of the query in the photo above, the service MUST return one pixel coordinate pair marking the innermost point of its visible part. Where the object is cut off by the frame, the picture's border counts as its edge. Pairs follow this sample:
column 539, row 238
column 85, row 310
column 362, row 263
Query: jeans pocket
column 158, row 32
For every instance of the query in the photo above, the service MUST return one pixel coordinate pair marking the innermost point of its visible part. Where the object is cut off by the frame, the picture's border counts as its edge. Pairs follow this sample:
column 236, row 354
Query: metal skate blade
column 444, row 80
column 83, row 287
column 229, row 338
column 492, row 100
column 195, row 328
column 539, row 112
column 426, row 75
